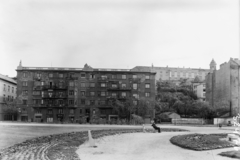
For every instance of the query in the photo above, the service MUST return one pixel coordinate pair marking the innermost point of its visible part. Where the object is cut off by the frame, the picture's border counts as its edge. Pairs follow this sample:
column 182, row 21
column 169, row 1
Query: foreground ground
column 143, row 146
column 158, row 144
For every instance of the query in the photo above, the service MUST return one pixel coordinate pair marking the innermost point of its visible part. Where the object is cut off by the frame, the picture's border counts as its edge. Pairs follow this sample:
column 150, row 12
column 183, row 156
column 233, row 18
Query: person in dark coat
column 155, row 126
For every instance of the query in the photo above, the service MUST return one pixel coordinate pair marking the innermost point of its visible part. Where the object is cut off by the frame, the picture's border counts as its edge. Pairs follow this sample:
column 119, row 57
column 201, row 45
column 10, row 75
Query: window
column 24, row 83
column 114, row 85
column 135, row 95
column 4, row 87
column 124, row 94
column 50, row 111
column 60, row 111
column 134, row 76
column 83, row 85
column 50, row 75
column 71, row 83
column 102, row 102
column 38, row 111
column 83, row 75
column 103, row 77
column 39, row 75
column 147, row 85
column 36, row 101
column 71, row 111
column 80, row 111
column 147, row 94
column 25, row 92
column 8, row 98
column 114, row 76
column 92, row 94
column 92, row 102
column 103, row 94
column 4, row 98
column 71, row 92
column 92, row 76
column 147, row 77
column 8, row 88
column 60, row 75
column 135, row 103
column 114, row 94
column 60, row 102
column 124, row 77
column 134, row 85
column 92, row 85
column 36, row 92
column 24, row 74
column 60, row 84
column 83, row 93
column 83, row 101
column 42, row 102
column 87, row 102
column 103, row 84
column 24, row 102
column 70, row 102
column 124, row 85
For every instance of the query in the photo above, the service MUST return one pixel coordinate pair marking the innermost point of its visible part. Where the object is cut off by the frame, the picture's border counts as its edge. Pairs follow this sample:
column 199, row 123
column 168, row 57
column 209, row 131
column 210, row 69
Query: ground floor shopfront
column 68, row 115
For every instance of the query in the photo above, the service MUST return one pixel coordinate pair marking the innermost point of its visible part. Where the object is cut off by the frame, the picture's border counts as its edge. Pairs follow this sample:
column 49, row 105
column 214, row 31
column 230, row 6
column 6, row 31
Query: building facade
column 58, row 95
column 199, row 88
column 8, row 90
column 174, row 74
column 223, row 86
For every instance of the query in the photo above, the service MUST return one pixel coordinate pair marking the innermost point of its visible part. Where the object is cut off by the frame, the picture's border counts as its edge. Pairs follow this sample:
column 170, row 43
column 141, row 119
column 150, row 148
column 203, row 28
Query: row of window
column 8, row 88
column 83, row 75
column 83, row 93
column 92, row 85
column 70, row 102
column 8, row 98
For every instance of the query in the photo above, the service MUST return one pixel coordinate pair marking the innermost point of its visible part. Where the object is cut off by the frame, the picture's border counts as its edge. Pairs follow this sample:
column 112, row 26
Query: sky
column 117, row 34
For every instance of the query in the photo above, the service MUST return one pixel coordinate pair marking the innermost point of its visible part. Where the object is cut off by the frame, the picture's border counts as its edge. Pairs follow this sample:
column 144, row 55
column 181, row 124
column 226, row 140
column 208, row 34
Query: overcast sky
column 117, row 33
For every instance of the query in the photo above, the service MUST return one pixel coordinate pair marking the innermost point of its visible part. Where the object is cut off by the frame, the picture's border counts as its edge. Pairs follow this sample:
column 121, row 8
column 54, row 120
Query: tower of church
column 213, row 66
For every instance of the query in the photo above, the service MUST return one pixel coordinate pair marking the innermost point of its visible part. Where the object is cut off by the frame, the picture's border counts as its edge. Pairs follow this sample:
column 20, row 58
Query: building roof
column 8, row 79
column 86, row 68
column 149, row 68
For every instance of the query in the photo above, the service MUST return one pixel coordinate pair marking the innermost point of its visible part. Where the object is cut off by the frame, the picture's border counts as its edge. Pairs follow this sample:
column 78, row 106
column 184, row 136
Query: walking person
column 155, row 126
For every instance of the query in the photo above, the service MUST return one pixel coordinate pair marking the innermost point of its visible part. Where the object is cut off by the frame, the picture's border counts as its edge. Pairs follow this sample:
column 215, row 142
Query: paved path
column 154, row 146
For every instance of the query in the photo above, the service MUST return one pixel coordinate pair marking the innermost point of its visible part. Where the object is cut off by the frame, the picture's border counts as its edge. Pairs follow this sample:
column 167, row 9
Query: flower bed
column 201, row 142
column 61, row 146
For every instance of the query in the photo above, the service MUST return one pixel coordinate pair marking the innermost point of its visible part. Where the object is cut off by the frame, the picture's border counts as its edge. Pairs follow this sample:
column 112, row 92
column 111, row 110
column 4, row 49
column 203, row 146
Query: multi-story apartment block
column 70, row 94
column 174, row 74
column 223, row 86
column 199, row 88
column 8, row 89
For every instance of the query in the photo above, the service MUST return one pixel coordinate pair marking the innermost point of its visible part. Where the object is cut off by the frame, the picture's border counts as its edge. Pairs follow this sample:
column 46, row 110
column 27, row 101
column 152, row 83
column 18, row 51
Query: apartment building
column 174, row 74
column 223, row 86
column 56, row 95
column 199, row 88
column 8, row 89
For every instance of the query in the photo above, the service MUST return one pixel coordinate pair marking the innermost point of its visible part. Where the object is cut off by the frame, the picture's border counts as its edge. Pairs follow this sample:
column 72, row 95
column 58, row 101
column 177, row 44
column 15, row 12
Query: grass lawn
column 231, row 154
column 201, row 142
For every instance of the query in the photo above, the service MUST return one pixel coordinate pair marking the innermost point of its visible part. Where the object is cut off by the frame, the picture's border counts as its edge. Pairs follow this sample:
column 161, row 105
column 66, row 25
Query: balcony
column 56, row 105
column 135, row 80
column 37, row 88
column 103, row 78
column 119, row 88
column 54, row 87
column 47, row 96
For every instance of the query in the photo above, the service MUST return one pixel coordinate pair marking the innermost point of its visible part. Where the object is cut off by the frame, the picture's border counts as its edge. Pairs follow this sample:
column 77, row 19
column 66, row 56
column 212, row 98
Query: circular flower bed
column 201, row 142
column 61, row 146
